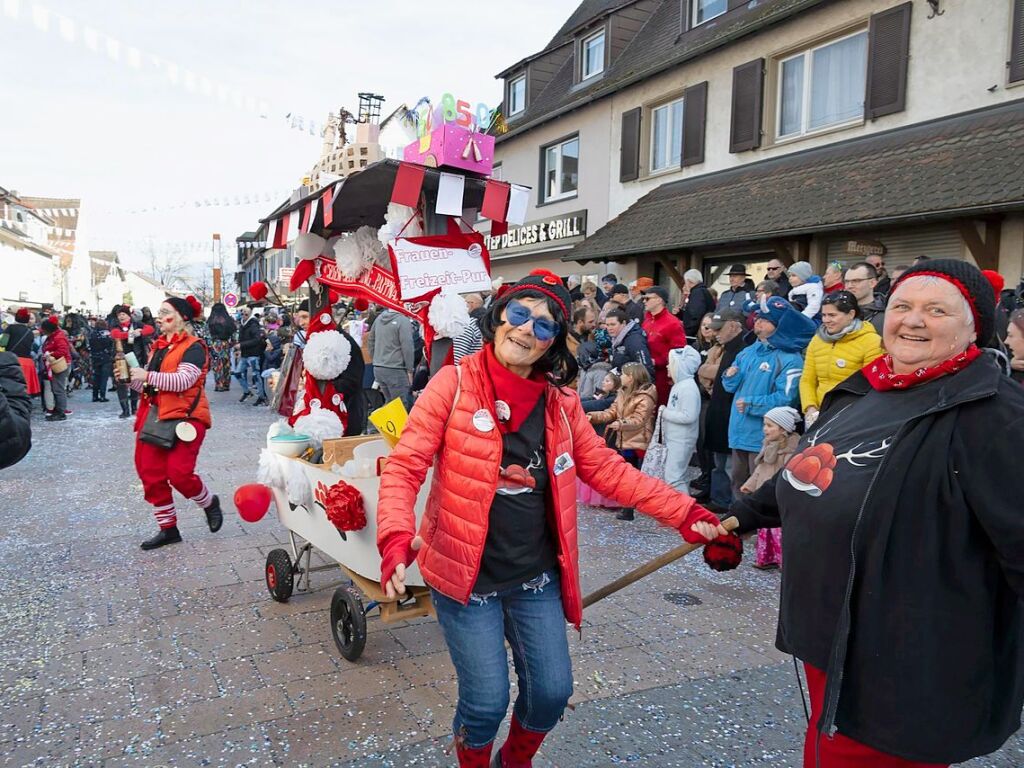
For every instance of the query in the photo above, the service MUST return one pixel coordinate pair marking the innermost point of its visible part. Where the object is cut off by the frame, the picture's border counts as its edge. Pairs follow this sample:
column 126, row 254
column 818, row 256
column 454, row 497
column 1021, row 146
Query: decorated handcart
column 397, row 234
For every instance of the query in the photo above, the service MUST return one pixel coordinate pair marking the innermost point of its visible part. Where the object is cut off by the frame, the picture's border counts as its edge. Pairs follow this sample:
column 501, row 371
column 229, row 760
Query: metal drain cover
column 682, row 598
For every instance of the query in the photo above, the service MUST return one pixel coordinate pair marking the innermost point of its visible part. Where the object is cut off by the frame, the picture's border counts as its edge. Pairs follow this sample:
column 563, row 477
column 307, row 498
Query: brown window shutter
column 888, row 53
column 629, row 149
column 695, row 110
column 747, row 100
column 1017, row 43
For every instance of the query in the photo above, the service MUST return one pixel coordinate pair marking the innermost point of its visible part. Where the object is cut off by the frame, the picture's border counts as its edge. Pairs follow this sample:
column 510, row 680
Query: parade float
column 396, row 233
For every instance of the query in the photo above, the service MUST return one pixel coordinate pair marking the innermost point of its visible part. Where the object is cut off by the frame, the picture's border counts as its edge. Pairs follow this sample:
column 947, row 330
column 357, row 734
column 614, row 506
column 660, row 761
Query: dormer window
column 592, row 55
column 516, row 95
column 705, row 10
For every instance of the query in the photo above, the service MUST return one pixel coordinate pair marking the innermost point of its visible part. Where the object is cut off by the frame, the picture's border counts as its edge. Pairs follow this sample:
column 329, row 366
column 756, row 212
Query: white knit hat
column 784, row 416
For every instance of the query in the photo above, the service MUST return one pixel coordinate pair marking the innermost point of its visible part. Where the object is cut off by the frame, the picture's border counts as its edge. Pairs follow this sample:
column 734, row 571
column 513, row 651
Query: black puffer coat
column 716, row 423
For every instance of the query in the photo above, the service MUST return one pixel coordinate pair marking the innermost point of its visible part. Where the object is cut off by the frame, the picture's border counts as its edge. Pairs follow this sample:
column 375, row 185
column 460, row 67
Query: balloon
column 258, row 290
column 252, row 501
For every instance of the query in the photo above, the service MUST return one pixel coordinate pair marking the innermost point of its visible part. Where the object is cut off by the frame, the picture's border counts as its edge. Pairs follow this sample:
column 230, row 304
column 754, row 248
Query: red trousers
column 841, row 751
column 160, row 469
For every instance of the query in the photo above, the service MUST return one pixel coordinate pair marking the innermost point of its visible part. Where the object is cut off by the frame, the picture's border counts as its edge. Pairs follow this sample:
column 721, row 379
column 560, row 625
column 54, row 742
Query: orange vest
column 176, row 405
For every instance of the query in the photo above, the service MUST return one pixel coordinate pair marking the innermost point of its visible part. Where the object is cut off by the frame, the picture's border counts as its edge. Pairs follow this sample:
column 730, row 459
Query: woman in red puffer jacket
column 498, row 540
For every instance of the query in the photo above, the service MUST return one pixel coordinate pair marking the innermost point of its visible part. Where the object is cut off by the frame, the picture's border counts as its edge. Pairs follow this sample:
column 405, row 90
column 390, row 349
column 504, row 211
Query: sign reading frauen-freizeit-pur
column 566, row 229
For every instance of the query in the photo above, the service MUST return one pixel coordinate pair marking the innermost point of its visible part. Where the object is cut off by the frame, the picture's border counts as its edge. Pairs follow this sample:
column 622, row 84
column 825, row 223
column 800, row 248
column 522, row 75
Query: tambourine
column 185, row 431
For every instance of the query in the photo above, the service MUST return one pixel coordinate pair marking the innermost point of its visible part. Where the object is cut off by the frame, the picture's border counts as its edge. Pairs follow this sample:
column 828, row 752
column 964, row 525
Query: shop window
column 822, row 87
column 705, row 10
column 517, row 95
column 667, row 136
column 592, row 55
column 560, row 163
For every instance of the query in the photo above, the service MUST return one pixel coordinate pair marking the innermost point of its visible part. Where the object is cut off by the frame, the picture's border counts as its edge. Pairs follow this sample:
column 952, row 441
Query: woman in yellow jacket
column 842, row 346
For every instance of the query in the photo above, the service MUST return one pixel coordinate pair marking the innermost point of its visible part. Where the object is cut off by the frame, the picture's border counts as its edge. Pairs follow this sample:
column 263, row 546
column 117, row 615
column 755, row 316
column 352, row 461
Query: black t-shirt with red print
column 520, row 544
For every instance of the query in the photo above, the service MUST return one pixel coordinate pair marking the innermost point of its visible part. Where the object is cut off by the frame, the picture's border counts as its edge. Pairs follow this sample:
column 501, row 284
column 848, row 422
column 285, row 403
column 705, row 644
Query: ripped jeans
column 530, row 617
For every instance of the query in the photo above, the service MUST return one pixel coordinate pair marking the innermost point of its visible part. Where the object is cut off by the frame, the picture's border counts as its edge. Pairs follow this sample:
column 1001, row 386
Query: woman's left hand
column 139, row 375
column 708, row 531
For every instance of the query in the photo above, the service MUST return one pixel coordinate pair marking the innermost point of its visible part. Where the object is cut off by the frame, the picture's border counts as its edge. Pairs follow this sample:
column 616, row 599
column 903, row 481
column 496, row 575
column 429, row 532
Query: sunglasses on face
column 518, row 314
column 774, row 269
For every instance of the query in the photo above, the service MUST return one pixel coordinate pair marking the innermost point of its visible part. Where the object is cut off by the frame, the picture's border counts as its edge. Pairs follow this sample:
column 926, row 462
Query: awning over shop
column 963, row 166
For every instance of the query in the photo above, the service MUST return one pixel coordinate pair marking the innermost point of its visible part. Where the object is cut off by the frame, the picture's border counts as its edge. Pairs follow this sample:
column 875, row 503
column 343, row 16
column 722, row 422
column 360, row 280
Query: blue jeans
column 252, row 363
column 530, row 617
column 721, row 479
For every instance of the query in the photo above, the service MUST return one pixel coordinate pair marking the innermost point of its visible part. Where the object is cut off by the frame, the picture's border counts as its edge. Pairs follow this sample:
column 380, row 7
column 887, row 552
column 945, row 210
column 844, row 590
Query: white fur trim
column 270, row 471
column 309, row 246
column 370, row 248
column 320, row 425
column 327, row 355
column 279, row 427
column 297, row 485
column 448, row 314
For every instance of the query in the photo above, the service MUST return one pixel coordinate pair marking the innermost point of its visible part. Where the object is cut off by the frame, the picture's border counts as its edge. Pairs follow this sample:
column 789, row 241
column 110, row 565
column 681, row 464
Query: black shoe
column 214, row 517
column 56, row 416
column 103, row 400
column 125, row 413
column 166, row 536
column 260, row 401
column 96, row 399
column 625, row 514
column 244, row 397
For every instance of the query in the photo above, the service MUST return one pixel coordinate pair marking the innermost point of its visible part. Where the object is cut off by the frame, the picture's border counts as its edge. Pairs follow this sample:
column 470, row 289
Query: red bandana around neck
column 880, row 375
column 519, row 394
column 163, row 342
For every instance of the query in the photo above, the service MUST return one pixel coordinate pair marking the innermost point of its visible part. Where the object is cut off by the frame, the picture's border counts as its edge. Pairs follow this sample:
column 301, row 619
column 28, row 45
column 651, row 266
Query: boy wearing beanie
column 807, row 291
column 780, row 441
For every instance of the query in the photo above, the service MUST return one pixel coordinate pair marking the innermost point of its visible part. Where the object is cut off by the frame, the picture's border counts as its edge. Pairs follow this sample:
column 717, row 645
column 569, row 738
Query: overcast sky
column 106, row 122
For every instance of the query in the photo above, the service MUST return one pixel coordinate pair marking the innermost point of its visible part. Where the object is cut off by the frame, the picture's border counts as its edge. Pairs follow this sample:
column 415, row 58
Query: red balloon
column 333, row 296
column 252, row 501
column 361, row 305
column 258, row 290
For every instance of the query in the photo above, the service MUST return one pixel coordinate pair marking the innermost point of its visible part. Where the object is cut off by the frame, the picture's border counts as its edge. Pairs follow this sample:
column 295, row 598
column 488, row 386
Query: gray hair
column 693, row 276
column 932, row 280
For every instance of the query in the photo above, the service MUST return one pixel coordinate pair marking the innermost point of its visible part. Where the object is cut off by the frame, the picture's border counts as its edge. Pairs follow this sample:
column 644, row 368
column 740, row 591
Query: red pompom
column 361, row 305
column 258, row 290
column 996, row 281
column 344, row 506
column 548, row 276
column 724, row 553
column 22, row 315
column 333, row 296
column 252, row 501
column 54, row 319
column 197, row 308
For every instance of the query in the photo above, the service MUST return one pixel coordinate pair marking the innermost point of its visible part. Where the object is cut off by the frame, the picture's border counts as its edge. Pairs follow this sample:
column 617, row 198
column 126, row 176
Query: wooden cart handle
column 730, row 524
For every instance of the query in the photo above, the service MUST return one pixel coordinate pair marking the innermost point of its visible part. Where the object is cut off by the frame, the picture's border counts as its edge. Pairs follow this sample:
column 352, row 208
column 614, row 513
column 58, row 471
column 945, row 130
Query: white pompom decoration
column 327, row 355
column 308, row 245
column 370, row 249
column 328, row 249
column 448, row 314
column 279, row 427
column 270, row 471
column 396, row 218
column 349, row 258
column 297, row 485
column 320, row 425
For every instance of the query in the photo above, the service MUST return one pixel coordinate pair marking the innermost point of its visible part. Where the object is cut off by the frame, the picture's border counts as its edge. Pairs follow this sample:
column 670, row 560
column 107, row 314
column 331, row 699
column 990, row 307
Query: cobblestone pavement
column 113, row 656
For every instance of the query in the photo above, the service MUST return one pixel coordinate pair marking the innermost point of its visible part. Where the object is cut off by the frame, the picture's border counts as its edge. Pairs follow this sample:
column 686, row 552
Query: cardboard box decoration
column 455, row 147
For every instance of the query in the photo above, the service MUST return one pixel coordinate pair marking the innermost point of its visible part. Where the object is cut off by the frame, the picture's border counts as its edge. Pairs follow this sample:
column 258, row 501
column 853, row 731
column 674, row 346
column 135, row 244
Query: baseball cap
column 723, row 316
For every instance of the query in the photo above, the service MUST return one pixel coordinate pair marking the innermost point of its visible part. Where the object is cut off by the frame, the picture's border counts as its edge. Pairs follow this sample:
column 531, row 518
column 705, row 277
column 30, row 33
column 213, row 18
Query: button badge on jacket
column 482, row 420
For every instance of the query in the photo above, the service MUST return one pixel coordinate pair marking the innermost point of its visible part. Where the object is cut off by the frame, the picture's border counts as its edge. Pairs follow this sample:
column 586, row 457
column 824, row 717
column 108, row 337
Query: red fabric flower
column 345, row 507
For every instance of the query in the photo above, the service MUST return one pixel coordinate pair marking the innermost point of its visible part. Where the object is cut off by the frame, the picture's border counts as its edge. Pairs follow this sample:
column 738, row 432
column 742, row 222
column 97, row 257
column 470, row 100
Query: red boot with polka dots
column 474, row 757
column 520, row 748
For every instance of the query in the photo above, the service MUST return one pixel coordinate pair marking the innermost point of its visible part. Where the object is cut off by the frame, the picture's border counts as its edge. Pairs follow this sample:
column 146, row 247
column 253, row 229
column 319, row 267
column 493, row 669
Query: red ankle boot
column 474, row 757
column 521, row 746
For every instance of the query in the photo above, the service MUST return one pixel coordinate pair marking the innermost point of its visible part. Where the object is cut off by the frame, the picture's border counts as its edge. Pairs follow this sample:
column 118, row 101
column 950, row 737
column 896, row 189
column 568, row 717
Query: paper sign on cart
column 390, row 421
column 424, row 264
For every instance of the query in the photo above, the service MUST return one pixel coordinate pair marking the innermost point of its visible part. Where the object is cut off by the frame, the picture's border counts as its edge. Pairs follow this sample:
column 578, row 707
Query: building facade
column 701, row 133
column 31, row 267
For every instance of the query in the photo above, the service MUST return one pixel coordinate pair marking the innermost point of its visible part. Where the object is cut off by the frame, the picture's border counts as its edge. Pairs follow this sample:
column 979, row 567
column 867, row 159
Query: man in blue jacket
column 765, row 375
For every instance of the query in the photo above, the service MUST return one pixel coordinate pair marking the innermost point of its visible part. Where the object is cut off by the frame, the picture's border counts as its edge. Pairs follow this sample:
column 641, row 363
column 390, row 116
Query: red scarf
column 519, row 394
column 163, row 342
column 880, row 375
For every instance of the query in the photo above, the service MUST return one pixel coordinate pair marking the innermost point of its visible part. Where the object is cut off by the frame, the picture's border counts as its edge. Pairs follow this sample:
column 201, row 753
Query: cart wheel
column 279, row 575
column 348, row 623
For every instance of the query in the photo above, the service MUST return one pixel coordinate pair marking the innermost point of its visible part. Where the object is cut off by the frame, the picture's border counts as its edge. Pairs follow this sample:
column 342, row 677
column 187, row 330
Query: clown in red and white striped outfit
column 173, row 382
